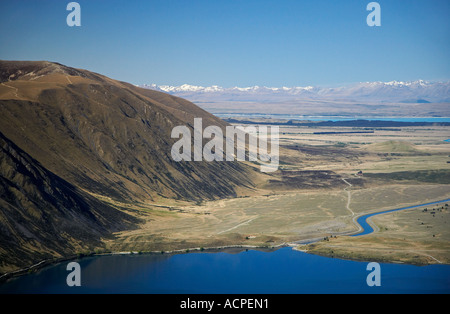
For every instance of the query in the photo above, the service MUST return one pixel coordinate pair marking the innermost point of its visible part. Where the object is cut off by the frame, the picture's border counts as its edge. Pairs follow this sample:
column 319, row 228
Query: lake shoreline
column 230, row 249
column 237, row 248
column 282, row 271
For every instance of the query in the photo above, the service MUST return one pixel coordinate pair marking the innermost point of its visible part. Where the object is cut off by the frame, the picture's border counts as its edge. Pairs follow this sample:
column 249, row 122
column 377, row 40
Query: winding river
column 367, row 228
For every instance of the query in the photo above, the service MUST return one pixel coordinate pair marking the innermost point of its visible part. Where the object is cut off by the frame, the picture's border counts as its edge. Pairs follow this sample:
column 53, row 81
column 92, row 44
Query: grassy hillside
column 106, row 136
column 65, row 132
column 43, row 216
column 393, row 147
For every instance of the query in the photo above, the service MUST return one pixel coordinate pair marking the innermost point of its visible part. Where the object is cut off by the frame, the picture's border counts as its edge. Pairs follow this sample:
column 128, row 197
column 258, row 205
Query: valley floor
column 325, row 182
column 316, row 195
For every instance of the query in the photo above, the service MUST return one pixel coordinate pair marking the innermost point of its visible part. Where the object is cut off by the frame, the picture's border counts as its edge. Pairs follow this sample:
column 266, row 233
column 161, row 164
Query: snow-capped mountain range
column 415, row 92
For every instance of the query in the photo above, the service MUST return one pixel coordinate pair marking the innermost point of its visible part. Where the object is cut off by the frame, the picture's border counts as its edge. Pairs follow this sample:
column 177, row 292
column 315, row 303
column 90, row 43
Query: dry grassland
column 400, row 167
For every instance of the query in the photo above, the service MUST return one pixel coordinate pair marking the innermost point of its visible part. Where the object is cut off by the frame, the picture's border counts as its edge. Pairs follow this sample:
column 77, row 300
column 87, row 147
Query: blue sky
column 235, row 42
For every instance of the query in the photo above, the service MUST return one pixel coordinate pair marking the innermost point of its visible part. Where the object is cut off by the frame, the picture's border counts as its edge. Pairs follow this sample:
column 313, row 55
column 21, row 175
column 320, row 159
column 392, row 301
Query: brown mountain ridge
column 108, row 136
column 65, row 131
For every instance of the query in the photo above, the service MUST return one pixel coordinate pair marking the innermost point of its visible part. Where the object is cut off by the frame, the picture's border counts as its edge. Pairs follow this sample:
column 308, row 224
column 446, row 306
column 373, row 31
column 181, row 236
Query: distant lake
column 282, row 271
column 330, row 118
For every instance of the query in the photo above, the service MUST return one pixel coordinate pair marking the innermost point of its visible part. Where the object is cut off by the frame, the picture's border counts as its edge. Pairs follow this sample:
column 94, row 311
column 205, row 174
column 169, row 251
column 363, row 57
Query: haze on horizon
column 235, row 43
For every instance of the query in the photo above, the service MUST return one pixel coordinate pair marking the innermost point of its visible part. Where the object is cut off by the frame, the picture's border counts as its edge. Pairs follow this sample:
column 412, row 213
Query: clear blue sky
column 235, row 42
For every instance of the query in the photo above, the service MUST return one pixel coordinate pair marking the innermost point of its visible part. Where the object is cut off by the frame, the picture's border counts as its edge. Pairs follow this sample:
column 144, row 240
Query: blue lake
column 330, row 118
column 282, row 271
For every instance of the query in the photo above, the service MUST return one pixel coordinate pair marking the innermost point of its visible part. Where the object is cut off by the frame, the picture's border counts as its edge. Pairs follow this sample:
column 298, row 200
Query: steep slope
column 106, row 136
column 43, row 216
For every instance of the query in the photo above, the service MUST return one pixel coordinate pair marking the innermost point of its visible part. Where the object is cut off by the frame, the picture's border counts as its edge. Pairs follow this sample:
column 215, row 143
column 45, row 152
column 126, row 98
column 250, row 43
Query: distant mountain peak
column 376, row 91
